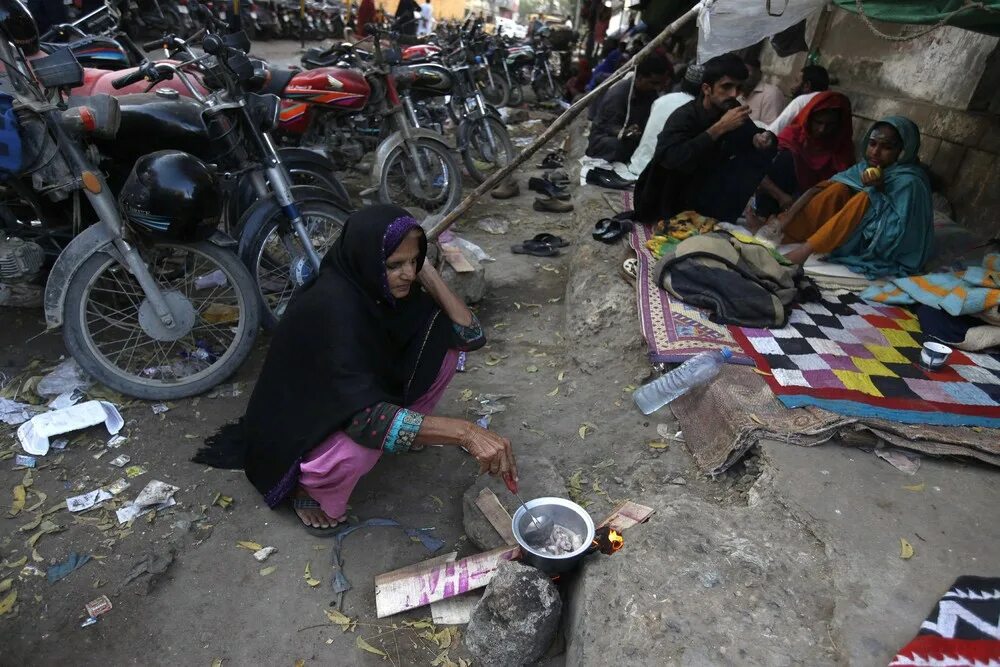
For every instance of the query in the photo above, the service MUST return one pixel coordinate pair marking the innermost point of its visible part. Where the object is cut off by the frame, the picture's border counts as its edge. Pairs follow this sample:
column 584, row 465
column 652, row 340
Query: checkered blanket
column 863, row 360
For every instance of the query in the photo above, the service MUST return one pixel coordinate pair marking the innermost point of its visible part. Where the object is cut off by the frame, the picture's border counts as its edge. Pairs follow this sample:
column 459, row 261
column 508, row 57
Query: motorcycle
column 351, row 113
column 283, row 230
column 152, row 299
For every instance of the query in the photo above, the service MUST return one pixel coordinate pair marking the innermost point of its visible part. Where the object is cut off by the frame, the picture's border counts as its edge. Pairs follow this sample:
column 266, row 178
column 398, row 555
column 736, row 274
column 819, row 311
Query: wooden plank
column 496, row 514
column 626, row 515
column 412, row 587
column 453, row 255
column 416, row 568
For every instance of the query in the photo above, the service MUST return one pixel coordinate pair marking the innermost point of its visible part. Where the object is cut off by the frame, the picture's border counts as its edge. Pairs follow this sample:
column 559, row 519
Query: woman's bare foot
column 799, row 255
column 311, row 514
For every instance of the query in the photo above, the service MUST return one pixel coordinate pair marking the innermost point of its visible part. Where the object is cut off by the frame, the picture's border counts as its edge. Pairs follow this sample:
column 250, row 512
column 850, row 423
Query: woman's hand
column 871, row 177
column 493, row 452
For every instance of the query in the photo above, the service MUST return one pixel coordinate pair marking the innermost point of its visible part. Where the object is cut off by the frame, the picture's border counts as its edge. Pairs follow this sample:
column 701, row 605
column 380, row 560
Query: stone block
column 946, row 162
column 516, row 620
column 539, row 478
column 470, row 287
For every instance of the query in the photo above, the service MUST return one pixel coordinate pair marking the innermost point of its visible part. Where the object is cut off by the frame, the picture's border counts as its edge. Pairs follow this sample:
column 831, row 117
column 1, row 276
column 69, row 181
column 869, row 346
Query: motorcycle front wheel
column 481, row 158
column 276, row 258
column 516, row 95
column 111, row 329
column 400, row 181
column 496, row 93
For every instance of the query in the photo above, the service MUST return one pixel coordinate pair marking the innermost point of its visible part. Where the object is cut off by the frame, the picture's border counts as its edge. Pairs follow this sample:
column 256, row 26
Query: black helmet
column 17, row 25
column 172, row 194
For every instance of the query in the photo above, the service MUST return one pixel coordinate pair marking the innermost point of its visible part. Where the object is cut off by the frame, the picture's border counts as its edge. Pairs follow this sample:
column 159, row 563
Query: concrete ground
column 791, row 560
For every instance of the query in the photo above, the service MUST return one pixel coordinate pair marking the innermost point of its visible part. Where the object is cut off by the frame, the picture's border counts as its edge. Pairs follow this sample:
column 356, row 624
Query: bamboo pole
column 435, row 227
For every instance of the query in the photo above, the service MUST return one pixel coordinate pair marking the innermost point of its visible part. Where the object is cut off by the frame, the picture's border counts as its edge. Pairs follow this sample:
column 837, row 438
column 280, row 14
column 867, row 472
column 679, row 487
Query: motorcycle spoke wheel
column 481, row 158
column 278, row 255
column 402, row 183
column 115, row 334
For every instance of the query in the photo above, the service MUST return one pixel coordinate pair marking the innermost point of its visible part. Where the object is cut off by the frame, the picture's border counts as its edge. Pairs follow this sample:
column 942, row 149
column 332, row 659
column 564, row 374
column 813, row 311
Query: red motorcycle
column 348, row 113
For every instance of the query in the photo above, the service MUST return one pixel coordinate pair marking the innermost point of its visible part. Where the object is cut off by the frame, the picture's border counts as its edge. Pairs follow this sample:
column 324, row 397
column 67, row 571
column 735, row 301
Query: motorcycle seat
column 277, row 81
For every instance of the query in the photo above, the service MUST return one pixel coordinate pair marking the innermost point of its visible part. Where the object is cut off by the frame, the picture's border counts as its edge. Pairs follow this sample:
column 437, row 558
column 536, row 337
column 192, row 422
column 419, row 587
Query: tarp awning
column 730, row 25
column 980, row 16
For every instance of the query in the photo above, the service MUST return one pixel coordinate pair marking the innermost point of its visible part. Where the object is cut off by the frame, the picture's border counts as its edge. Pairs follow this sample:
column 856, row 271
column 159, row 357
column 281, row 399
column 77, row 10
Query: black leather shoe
column 544, row 187
column 608, row 179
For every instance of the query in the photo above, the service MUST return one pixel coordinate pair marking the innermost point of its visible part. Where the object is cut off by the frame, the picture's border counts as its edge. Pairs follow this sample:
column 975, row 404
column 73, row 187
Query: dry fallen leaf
column 217, row 662
column 222, row 501
column 466, row 395
column 341, row 620
column 658, row 445
column 493, row 360
column 416, row 625
column 562, row 374
column 437, row 501
column 532, row 368
column 268, row 570
column 586, row 428
column 13, row 564
column 7, row 604
column 309, row 578
column 18, row 504
column 250, row 546
column 756, row 419
column 5, row 585
column 905, row 549
column 553, row 392
column 365, row 646
column 300, row 663
column 914, row 487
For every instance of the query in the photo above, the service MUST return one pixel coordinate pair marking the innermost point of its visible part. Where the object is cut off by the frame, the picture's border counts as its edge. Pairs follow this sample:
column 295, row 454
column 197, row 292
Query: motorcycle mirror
column 212, row 45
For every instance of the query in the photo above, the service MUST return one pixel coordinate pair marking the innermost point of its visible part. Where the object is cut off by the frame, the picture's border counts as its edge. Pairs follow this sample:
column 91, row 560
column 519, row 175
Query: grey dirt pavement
column 791, row 559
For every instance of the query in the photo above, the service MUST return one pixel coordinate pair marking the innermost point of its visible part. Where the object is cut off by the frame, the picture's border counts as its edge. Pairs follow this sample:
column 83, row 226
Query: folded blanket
column 974, row 291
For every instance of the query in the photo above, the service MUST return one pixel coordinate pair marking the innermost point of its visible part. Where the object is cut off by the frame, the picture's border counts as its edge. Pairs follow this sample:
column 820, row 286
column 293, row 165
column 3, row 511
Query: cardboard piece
column 419, row 585
column 496, row 514
column 626, row 515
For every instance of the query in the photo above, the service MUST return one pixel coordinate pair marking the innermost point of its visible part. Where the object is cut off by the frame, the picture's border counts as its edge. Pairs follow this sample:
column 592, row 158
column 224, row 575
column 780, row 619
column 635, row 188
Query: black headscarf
column 343, row 344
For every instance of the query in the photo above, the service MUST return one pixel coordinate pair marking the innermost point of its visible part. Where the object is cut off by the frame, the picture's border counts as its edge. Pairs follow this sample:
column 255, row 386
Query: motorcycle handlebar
column 129, row 79
column 154, row 44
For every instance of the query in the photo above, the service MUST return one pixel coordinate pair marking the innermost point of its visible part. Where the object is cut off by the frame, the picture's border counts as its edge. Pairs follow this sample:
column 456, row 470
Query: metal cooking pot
column 562, row 512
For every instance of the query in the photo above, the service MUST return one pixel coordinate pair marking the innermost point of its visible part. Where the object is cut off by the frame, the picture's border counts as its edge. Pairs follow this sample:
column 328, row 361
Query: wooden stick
column 434, row 227
column 496, row 514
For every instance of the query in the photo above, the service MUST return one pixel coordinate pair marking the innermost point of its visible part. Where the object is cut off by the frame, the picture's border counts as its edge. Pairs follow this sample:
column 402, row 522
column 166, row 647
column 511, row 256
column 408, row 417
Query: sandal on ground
column 535, row 248
column 610, row 230
column 310, row 504
column 629, row 270
column 553, row 160
column 551, row 239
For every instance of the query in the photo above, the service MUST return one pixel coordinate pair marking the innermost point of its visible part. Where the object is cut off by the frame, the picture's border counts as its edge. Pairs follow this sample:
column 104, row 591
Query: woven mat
column 724, row 419
column 674, row 331
column 863, row 360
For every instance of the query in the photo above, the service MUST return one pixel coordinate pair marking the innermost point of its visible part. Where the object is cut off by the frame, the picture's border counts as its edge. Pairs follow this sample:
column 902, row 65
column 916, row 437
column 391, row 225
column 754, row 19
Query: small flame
column 615, row 540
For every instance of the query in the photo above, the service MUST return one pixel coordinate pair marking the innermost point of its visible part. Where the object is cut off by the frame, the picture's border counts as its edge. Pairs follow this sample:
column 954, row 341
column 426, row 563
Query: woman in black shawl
column 358, row 361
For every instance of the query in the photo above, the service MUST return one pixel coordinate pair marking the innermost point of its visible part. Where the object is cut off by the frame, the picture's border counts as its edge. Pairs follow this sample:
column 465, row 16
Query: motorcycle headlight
column 264, row 110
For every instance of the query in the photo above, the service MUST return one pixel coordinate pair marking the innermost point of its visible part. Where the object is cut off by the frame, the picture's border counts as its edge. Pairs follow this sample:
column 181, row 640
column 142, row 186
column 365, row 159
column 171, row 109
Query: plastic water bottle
column 697, row 370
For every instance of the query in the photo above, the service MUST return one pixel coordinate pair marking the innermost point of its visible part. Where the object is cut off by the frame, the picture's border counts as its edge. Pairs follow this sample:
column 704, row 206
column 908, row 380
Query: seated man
column 624, row 110
column 661, row 110
column 710, row 157
column 764, row 99
column 875, row 217
column 813, row 80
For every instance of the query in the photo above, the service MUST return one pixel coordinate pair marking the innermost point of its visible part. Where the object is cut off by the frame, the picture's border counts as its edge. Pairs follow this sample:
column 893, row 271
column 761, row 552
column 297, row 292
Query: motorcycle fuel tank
column 151, row 123
column 430, row 77
column 420, row 52
column 100, row 52
column 333, row 86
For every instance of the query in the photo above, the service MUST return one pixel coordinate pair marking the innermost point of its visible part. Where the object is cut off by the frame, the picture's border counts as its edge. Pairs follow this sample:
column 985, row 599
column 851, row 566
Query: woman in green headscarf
column 876, row 217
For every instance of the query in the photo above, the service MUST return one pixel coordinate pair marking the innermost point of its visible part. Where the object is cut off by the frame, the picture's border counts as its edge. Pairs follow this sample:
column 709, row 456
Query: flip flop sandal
column 534, row 248
column 630, row 270
column 613, row 231
column 310, row 504
column 551, row 161
column 601, row 228
column 551, row 239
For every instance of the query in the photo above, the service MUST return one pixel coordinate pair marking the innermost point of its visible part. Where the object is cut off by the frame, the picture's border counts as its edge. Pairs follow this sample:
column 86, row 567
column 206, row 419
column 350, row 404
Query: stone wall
column 931, row 80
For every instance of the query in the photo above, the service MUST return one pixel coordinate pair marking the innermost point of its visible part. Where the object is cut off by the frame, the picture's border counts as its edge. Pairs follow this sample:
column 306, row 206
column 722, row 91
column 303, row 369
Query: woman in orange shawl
column 817, row 144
